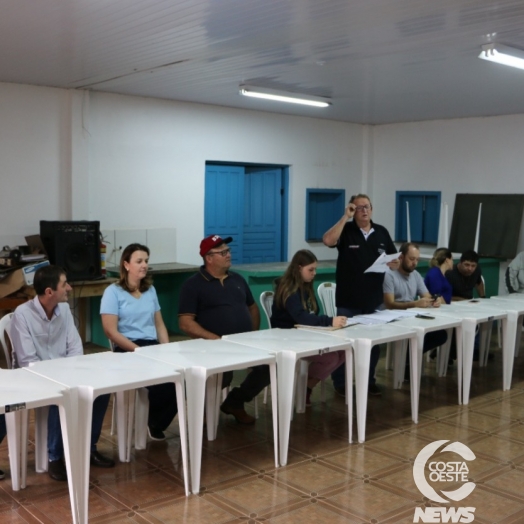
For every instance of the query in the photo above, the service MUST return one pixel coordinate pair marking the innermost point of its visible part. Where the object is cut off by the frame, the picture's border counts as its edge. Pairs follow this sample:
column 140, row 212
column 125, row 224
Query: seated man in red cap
column 216, row 302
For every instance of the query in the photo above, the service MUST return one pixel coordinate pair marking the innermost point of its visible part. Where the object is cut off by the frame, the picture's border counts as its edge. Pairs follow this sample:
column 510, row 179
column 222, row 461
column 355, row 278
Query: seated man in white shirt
column 402, row 287
column 44, row 329
column 515, row 274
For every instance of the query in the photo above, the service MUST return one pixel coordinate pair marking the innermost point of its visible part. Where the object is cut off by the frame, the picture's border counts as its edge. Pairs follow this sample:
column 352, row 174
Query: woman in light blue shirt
column 131, row 318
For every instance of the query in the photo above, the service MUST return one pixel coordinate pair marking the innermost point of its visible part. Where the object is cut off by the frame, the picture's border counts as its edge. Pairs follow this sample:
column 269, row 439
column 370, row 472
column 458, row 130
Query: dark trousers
column 257, row 379
column 55, row 445
column 339, row 375
column 162, row 397
column 3, row 429
column 432, row 340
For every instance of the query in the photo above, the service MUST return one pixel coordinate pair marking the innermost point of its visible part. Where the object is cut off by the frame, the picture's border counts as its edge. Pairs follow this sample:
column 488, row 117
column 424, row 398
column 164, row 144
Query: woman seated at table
column 295, row 303
column 435, row 279
column 131, row 318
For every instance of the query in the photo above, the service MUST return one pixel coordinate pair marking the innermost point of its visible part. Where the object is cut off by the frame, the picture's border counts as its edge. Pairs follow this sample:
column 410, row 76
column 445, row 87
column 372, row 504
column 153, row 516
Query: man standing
column 44, row 329
column 405, row 288
column 359, row 243
column 465, row 276
column 216, row 302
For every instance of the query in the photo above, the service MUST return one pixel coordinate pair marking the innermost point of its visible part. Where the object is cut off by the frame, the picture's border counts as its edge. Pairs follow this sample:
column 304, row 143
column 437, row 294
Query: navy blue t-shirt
column 219, row 307
column 295, row 313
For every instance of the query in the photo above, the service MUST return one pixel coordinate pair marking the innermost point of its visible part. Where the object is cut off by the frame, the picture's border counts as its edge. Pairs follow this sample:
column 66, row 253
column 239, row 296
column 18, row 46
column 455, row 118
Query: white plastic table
column 510, row 329
column 202, row 359
column 512, row 303
column 291, row 345
column 472, row 316
column 20, row 391
column 427, row 325
column 107, row 372
column 363, row 338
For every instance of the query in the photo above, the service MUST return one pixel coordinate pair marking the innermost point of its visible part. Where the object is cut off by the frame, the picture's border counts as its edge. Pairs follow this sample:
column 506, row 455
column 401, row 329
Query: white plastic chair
column 141, row 412
column 266, row 301
column 41, row 458
column 326, row 292
column 485, row 337
column 5, row 342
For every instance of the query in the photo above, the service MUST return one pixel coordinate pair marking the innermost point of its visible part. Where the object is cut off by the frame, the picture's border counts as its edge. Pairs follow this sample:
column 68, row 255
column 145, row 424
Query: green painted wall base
column 260, row 277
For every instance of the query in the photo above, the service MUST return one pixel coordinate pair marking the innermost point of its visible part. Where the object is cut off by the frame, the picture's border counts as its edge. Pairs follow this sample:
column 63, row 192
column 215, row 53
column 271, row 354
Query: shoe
column 239, row 413
column 308, row 397
column 100, row 461
column 2, row 475
column 57, row 470
column 341, row 391
column 155, row 434
column 374, row 390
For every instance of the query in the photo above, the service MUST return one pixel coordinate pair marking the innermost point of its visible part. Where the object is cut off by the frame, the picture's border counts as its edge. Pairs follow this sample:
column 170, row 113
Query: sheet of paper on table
column 350, row 322
column 385, row 316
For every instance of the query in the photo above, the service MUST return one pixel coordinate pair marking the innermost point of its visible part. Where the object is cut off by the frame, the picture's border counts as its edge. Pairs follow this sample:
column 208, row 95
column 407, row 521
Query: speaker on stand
column 73, row 245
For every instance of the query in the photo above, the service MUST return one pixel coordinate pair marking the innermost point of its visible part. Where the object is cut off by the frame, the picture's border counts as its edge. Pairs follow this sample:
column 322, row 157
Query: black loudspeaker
column 74, row 246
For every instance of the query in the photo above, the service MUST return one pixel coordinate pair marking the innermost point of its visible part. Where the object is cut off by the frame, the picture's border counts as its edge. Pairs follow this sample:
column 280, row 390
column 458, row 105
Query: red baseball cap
column 212, row 241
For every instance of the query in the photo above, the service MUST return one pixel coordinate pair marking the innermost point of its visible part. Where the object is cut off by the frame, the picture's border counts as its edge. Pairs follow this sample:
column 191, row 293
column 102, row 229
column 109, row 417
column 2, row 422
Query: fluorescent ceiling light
column 503, row 55
column 284, row 96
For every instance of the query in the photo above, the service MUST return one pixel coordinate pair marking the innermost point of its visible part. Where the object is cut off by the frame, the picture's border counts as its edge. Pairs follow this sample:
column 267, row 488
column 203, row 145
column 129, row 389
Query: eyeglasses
column 222, row 253
column 363, row 208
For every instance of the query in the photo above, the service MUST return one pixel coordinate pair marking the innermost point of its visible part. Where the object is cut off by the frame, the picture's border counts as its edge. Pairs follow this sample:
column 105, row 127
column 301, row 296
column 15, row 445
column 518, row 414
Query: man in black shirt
column 465, row 276
column 359, row 243
column 216, row 302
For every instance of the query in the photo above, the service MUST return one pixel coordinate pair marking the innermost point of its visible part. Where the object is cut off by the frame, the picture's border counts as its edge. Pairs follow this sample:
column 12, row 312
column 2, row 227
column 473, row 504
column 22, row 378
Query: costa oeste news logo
column 442, row 469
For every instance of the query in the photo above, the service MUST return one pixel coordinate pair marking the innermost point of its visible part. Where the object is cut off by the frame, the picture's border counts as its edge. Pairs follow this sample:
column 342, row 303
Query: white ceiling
column 379, row 60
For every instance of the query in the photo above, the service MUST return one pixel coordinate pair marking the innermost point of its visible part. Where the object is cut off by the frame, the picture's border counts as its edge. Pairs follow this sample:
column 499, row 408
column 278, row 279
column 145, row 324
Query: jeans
column 55, row 445
column 339, row 375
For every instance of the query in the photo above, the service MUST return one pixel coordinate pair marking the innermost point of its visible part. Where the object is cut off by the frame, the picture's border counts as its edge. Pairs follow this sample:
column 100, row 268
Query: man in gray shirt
column 44, row 329
column 405, row 288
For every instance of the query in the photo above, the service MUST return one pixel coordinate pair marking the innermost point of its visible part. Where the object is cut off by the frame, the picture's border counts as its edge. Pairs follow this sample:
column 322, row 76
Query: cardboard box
column 20, row 278
column 12, row 283
column 29, row 271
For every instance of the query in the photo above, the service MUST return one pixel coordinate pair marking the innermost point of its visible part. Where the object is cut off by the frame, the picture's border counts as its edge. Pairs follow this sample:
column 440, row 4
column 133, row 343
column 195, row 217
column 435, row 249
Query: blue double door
column 246, row 203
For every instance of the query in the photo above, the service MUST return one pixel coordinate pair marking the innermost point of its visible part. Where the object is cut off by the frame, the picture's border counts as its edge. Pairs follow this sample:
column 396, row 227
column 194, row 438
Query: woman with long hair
column 435, row 279
column 131, row 318
column 295, row 303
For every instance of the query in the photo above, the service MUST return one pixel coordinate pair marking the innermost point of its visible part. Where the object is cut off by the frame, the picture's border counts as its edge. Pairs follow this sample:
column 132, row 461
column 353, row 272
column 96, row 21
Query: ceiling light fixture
column 504, row 55
column 284, row 96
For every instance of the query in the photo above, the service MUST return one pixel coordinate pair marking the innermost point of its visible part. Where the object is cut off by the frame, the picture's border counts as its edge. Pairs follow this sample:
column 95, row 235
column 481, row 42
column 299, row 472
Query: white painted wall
column 147, row 162
column 35, row 178
column 471, row 155
column 136, row 163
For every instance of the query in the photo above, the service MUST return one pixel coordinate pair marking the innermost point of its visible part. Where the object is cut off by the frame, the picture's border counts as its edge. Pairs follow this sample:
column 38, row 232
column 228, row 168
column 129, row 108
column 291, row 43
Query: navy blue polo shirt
column 356, row 289
column 219, row 307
